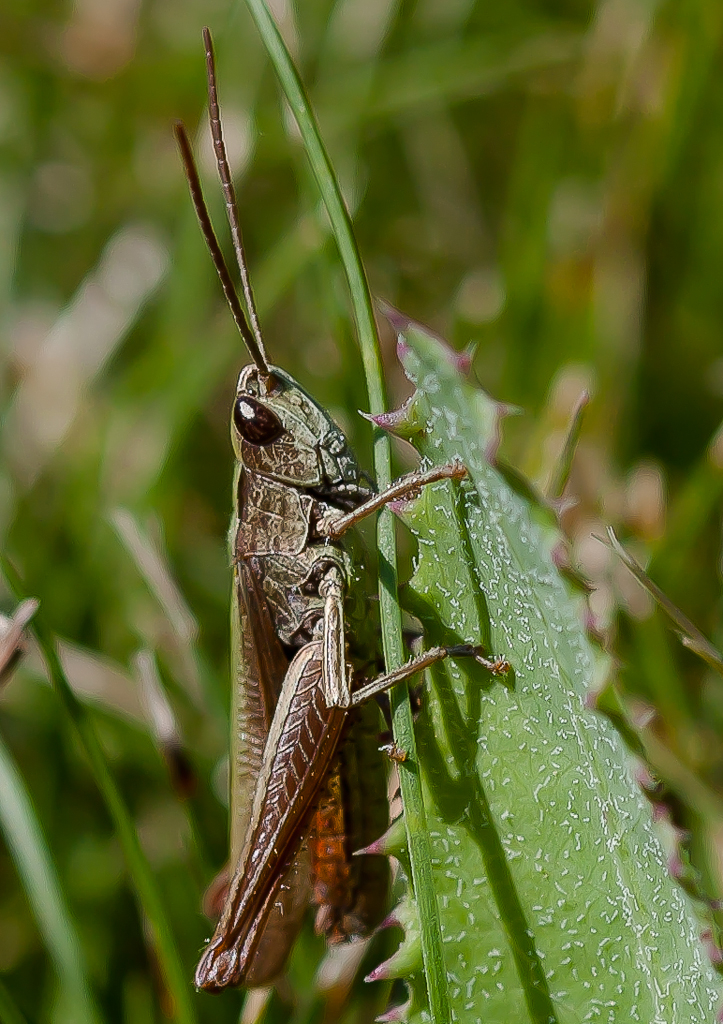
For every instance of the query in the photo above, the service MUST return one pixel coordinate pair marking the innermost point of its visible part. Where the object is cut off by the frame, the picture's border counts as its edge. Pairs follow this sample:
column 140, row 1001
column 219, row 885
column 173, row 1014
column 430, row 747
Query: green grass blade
column 692, row 636
column 561, row 470
column 34, row 864
column 147, row 893
column 415, row 817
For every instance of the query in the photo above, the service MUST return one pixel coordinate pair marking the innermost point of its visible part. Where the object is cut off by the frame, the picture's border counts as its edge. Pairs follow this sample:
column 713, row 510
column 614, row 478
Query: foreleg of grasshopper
column 334, row 525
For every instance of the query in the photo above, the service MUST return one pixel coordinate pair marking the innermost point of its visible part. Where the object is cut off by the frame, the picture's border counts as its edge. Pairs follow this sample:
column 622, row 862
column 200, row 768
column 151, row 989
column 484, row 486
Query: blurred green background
column 544, row 180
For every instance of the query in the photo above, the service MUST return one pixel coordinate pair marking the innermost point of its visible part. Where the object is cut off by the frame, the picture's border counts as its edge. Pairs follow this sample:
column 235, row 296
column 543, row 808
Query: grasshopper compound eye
column 256, row 423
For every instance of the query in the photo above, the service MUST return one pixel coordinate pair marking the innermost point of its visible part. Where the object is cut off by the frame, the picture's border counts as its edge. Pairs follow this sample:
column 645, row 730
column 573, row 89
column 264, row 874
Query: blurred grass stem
column 10, row 1013
column 34, row 864
column 147, row 894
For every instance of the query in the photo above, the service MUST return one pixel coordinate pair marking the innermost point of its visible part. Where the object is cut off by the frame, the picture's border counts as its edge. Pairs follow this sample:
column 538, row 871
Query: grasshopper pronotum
column 297, row 691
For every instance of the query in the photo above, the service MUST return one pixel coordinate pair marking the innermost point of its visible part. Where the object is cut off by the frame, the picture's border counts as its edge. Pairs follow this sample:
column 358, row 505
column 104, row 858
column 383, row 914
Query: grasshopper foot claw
column 497, row 666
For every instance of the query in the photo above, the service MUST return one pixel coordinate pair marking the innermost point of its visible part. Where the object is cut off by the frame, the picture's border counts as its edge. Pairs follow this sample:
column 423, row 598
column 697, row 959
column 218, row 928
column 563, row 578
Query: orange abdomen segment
column 350, row 893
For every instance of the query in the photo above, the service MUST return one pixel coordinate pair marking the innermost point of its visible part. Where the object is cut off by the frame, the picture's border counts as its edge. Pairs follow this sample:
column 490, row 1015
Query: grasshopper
column 298, row 745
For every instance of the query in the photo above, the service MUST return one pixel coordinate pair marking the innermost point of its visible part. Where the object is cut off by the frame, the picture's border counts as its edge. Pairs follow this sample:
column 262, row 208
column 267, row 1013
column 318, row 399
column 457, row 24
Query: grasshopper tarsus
column 496, row 666
column 394, row 752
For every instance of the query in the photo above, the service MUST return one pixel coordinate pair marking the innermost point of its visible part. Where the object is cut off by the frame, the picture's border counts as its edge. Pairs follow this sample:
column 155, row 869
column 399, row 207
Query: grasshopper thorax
column 280, row 432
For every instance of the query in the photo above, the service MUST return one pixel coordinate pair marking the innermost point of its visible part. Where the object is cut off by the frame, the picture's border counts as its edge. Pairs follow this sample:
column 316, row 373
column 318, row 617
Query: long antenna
column 224, row 173
column 194, row 184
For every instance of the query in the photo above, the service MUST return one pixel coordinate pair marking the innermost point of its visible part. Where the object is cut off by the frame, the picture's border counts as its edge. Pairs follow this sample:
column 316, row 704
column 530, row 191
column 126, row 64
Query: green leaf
column 555, row 898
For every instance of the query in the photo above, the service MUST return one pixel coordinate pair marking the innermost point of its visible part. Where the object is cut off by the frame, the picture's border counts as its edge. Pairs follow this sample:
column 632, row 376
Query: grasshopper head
column 279, row 431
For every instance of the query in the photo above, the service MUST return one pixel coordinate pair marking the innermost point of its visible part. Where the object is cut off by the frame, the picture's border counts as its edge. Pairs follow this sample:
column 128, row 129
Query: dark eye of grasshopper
column 256, row 423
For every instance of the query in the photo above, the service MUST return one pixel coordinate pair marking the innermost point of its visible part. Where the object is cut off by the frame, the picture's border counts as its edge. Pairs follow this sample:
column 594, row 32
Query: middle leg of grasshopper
column 336, row 675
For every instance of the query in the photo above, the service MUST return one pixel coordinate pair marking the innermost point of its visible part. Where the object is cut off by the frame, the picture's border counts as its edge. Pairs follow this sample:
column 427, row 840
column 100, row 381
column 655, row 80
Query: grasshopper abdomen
column 350, row 892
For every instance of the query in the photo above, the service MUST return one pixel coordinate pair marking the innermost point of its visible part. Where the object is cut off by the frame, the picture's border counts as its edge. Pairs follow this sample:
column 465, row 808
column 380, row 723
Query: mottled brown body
column 297, row 689
column 278, row 566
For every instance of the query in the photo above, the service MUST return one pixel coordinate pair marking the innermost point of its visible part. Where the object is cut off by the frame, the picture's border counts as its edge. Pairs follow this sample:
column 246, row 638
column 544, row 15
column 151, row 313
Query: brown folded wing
column 302, row 743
